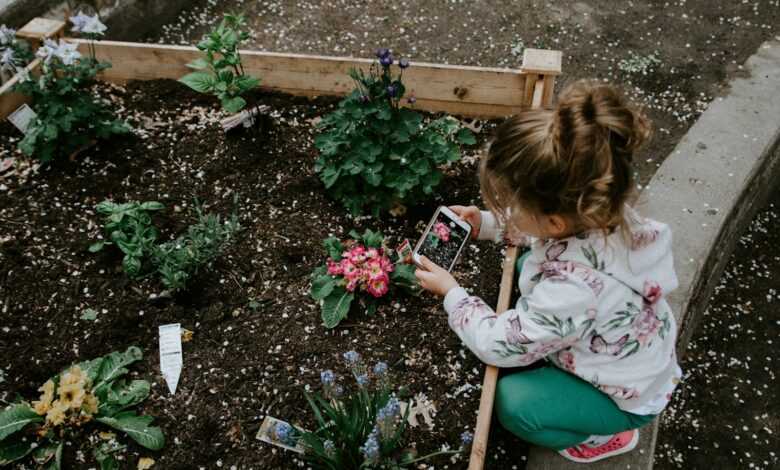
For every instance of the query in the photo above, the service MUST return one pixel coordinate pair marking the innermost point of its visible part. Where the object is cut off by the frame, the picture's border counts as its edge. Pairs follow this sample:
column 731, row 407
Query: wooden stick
column 485, row 414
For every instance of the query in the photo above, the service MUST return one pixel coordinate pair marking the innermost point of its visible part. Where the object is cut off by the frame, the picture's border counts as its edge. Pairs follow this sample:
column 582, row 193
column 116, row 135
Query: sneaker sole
column 631, row 446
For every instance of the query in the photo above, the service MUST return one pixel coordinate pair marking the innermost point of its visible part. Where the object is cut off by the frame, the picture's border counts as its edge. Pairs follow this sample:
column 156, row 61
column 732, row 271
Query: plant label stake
column 170, row 354
column 22, row 117
column 266, row 434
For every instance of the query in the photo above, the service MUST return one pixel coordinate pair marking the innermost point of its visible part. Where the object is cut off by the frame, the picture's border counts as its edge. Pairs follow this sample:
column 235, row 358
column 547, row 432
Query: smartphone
column 443, row 239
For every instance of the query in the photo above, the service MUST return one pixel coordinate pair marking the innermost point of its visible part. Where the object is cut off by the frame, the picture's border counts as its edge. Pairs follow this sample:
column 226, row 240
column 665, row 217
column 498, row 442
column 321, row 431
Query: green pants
column 552, row 408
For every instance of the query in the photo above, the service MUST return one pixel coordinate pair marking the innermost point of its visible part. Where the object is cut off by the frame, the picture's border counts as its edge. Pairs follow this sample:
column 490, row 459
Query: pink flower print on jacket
column 643, row 237
column 621, row 393
column 599, row 345
column 646, row 325
column 514, row 332
column 566, row 360
column 558, row 270
column 652, row 292
column 466, row 309
column 442, row 231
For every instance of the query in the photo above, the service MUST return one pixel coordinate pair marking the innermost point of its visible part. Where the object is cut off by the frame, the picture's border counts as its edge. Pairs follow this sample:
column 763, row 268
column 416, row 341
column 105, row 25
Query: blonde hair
column 573, row 160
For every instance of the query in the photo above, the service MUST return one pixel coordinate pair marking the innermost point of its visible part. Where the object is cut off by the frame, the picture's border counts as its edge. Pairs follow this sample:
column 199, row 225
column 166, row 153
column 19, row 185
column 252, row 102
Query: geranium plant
column 221, row 72
column 69, row 118
column 359, row 268
column 362, row 429
column 376, row 154
column 89, row 392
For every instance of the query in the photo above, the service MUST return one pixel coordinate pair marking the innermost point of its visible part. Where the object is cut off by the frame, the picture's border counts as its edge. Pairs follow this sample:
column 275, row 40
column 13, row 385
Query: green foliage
column 129, row 227
column 101, row 380
column 69, row 117
column 375, row 154
column 220, row 72
column 178, row 260
column 362, row 430
column 360, row 268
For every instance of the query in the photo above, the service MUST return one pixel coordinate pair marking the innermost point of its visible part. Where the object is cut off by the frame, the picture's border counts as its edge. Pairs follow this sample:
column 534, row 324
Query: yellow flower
column 90, row 405
column 56, row 414
column 145, row 463
column 74, row 376
column 42, row 406
column 72, row 395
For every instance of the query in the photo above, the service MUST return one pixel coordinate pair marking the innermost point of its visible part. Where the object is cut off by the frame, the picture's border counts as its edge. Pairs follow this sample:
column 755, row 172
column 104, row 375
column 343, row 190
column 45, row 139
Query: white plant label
column 265, row 434
column 22, row 117
column 170, row 354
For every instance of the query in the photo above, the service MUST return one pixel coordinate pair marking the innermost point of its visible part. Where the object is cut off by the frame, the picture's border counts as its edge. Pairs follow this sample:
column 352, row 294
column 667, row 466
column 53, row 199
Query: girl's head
column 552, row 173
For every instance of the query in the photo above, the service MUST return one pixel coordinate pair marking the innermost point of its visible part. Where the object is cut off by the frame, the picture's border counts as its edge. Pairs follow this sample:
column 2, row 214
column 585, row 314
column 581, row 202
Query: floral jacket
column 592, row 305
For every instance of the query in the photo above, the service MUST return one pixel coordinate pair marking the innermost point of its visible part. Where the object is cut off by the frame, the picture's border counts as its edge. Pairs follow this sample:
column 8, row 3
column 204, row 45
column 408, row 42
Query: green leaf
column 234, row 104
column 198, row 64
column 45, row 453
column 88, row 314
column 137, row 427
column 404, row 277
column 335, row 307
column 372, row 239
column 334, row 248
column 322, row 286
column 15, row 449
column 97, row 246
column 201, row 82
column 122, row 395
column 152, row 206
column 113, row 365
column 465, row 137
column 15, row 417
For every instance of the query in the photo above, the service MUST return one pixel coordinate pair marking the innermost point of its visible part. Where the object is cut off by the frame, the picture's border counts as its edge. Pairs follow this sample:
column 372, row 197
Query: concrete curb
column 708, row 190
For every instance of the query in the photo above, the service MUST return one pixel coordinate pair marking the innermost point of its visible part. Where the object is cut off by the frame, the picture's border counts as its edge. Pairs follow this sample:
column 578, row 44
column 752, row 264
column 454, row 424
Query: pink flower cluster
column 442, row 231
column 369, row 269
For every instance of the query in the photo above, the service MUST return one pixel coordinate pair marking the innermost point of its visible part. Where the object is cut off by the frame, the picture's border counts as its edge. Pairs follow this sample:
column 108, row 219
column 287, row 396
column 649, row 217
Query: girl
column 592, row 286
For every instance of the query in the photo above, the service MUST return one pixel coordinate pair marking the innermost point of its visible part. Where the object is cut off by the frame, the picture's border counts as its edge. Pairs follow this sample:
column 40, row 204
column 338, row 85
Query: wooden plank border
column 460, row 90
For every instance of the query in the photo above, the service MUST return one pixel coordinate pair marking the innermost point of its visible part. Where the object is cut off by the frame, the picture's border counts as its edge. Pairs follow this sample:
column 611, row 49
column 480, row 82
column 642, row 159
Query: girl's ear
column 558, row 226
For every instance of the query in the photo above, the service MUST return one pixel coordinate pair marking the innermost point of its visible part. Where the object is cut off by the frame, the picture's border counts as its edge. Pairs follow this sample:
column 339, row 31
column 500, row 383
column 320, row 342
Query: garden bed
column 258, row 337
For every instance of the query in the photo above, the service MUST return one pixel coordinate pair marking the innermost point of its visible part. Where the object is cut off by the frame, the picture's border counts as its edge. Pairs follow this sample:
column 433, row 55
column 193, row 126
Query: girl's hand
column 470, row 214
column 434, row 278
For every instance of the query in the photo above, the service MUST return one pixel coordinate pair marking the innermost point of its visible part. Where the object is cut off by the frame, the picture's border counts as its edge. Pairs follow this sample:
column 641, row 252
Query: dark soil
column 726, row 410
column 258, row 339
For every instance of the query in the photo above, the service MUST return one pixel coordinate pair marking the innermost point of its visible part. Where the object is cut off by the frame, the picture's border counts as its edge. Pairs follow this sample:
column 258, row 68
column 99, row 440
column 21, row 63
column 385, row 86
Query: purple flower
column 466, row 439
column 386, row 61
column 403, row 63
column 364, row 99
column 412, row 100
column 392, row 90
column 327, row 377
column 382, row 52
column 380, row 368
column 362, row 380
column 351, row 357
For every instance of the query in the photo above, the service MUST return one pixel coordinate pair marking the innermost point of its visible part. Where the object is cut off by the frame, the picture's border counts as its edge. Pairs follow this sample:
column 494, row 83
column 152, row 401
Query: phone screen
column 443, row 241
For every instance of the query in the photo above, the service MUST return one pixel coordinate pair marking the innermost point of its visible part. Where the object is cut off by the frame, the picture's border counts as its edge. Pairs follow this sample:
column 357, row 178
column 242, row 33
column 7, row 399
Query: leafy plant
column 69, row 118
column 91, row 391
column 374, row 153
column 221, row 72
column 129, row 227
column 639, row 64
column 362, row 430
column 359, row 267
column 178, row 260
column 13, row 53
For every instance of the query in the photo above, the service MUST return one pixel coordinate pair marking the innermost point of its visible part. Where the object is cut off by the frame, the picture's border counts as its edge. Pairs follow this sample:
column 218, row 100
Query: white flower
column 79, row 21
column 7, row 35
column 94, row 26
column 7, row 57
column 64, row 51
column 87, row 24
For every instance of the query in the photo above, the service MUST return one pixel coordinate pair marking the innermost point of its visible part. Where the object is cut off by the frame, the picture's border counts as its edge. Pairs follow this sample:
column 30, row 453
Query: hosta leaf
column 322, row 286
column 137, row 427
column 14, row 449
column 201, row 82
column 335, row 307
column 15, row 417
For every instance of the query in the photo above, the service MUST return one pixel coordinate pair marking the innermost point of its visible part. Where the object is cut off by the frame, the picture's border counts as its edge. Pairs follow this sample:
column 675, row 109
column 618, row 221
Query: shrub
column 129, row 227
column 221, row 72
column 178, row 260
column 91, row 391
column 359, row 267
column 69, row 118
column 364, row 429
column 375, row 154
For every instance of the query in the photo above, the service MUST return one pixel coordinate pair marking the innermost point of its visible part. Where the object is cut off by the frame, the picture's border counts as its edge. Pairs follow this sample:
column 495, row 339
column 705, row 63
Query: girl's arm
column 557, row 314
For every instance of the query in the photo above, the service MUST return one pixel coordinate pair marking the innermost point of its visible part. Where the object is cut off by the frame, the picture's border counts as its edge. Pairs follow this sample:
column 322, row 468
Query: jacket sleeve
column 554, row 316
column 491, row 229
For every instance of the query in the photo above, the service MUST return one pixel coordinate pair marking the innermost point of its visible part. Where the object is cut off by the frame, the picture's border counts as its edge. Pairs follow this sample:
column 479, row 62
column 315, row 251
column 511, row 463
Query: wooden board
column 469, row 91
column 10, row 101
